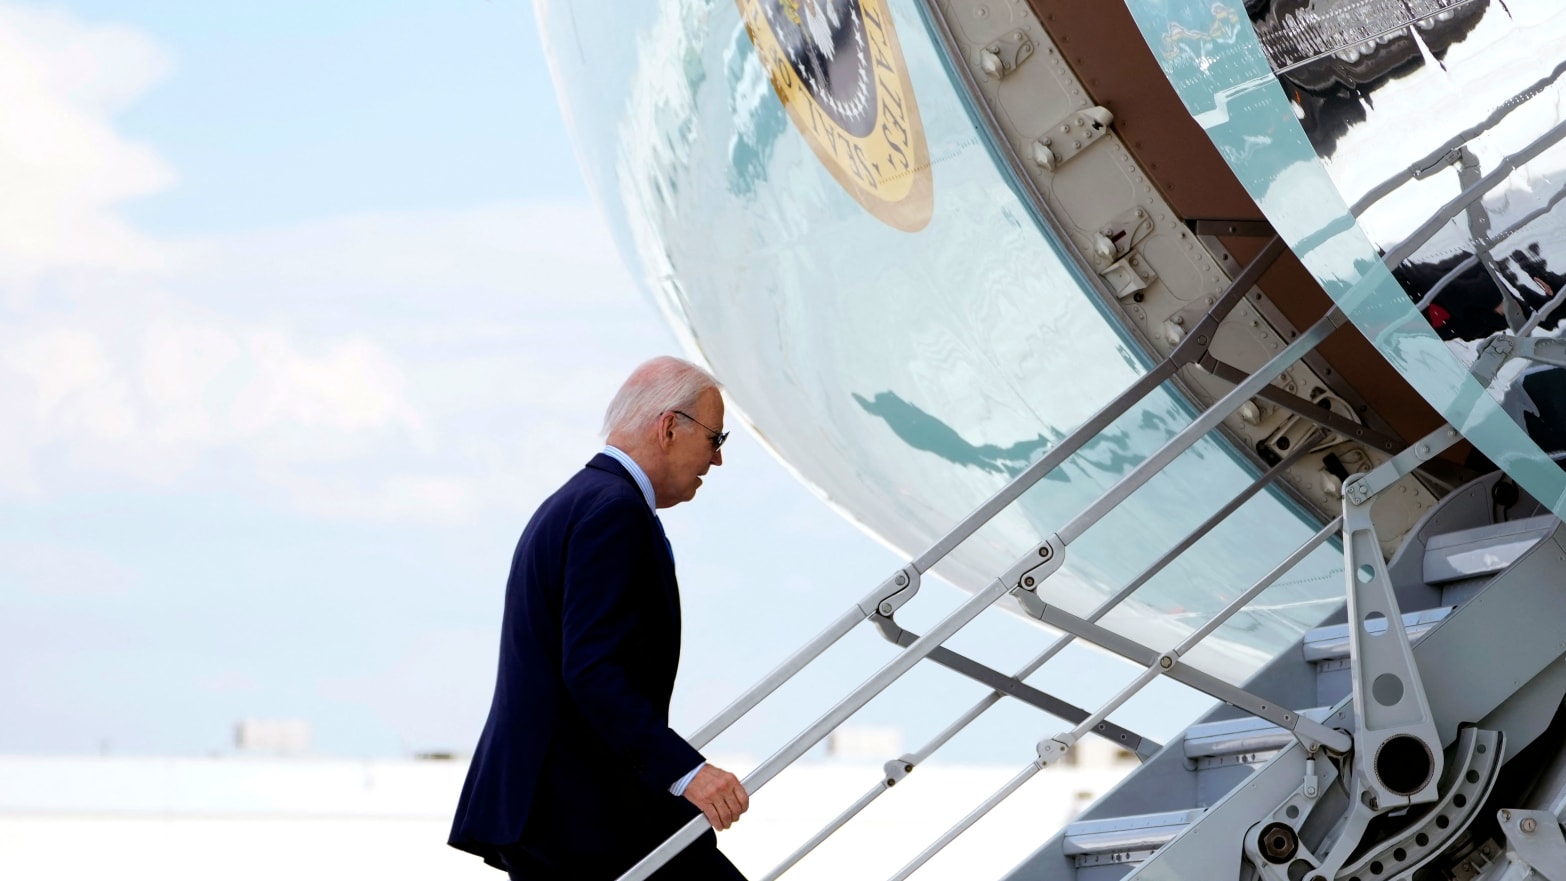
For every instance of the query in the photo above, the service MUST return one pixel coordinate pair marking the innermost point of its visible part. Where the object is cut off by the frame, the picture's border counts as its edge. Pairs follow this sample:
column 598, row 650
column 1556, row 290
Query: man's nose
column 717, row 457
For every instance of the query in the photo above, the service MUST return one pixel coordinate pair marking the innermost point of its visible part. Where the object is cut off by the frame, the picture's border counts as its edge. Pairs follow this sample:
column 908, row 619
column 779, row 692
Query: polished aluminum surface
column 1411, row 153
column 1331, row 643
column 1142, row 832
column 1483, row 551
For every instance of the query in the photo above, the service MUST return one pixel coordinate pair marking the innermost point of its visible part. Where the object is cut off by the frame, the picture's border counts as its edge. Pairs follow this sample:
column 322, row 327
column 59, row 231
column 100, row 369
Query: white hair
column 665, row 383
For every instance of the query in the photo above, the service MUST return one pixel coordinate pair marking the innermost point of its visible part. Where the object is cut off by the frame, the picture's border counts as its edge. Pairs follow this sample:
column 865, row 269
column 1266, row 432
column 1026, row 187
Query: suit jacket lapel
column 670, row 580
column 664, row 554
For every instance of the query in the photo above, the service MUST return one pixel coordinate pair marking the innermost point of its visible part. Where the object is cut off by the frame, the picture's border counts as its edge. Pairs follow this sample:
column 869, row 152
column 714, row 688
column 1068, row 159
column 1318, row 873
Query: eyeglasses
column 717, row 437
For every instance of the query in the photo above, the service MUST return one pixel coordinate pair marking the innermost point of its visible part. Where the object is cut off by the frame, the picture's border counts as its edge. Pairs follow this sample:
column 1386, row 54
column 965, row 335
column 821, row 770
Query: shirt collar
column 637, row 474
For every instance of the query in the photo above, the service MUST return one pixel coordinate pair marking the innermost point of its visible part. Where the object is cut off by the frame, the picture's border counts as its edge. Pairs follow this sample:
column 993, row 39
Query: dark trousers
column 702, row 861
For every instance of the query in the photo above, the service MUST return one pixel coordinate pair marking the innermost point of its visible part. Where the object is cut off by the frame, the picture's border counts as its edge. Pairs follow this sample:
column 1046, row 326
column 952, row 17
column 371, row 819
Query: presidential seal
column 839, row 70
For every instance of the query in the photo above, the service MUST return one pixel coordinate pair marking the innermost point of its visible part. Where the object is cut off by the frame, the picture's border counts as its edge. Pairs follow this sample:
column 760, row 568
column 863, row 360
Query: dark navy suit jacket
column 577, row 757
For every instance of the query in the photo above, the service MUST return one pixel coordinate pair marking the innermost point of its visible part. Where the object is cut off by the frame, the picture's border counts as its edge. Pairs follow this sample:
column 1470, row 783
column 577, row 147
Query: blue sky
column 291, row 111
column 303, row 309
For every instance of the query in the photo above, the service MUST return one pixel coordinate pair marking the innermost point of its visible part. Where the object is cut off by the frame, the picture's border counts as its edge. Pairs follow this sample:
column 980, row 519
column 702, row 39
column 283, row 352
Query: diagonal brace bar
column 1303, row 408
column 1014, row 687
column 1179, row 671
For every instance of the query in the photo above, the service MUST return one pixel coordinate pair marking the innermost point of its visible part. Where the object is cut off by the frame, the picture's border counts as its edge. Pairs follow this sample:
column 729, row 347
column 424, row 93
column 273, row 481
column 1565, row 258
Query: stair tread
column 1482, row 550
column 1246, row 734
column 1128, row 833
column 1332, row 642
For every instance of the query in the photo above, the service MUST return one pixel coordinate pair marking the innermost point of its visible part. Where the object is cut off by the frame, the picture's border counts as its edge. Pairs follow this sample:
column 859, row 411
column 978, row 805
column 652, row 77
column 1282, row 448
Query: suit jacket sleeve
column 608, row 630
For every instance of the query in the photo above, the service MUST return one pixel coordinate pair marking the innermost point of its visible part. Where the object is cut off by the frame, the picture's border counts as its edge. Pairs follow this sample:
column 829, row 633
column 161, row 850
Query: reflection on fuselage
column 910, row 374
column 1440, row 80
column 1112, row 453
column 1332, row 55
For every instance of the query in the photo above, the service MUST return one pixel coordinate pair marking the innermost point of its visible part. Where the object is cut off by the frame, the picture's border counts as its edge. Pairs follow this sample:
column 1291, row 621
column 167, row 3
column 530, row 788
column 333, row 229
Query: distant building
column 284, row 737
column 865, row 743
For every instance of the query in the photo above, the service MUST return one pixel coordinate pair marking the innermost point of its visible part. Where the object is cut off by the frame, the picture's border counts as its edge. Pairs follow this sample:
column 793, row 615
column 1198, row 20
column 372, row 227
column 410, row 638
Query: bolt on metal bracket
column 1534, row 838
column 896, row 769
column 1129, row 276
column 1026, row 575
column 1362, row 489
column 1066, row 139
column 1005, row 55
column 892, row 594
column 1121, row 236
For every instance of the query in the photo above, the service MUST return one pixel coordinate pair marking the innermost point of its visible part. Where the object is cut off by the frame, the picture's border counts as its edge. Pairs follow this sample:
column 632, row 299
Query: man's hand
column 719, row 794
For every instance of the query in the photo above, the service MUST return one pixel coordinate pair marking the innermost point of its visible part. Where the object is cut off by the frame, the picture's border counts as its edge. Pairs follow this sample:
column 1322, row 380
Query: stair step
column 1246, row 739
column 1123, row 839
column 1483, row 550
column 1331, row 643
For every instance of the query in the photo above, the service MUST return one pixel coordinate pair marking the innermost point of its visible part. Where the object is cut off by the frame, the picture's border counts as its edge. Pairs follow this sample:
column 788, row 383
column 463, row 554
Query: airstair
column 1234, row 774
column 1394, row 738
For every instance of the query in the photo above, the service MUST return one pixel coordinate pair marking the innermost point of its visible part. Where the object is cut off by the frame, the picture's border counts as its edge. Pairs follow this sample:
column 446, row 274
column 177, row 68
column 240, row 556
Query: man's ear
column 665, row 429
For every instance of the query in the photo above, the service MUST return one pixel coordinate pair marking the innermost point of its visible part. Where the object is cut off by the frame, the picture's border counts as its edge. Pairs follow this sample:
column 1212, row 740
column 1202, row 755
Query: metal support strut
column 1397, row 750
column 1397, row 760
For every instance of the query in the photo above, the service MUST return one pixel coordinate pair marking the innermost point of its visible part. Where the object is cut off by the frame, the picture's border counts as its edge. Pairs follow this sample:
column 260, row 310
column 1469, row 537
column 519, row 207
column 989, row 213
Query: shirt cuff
column 678, row 788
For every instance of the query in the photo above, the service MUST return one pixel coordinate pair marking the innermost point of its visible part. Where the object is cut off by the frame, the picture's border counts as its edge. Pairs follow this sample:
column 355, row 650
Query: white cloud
column 138, row 403
column 76, row 388
column 539, row 255
column 351, row 388
column 426, row 366
column 178, row 366
column 62, row 571
column 419, row 498
column 62, row 164
column 433, row 398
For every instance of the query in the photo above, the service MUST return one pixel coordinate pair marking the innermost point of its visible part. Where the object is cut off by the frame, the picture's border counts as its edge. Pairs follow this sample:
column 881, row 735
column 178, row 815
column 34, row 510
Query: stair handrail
column 1034, row 566
column 903, row 584
column 896, row 769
